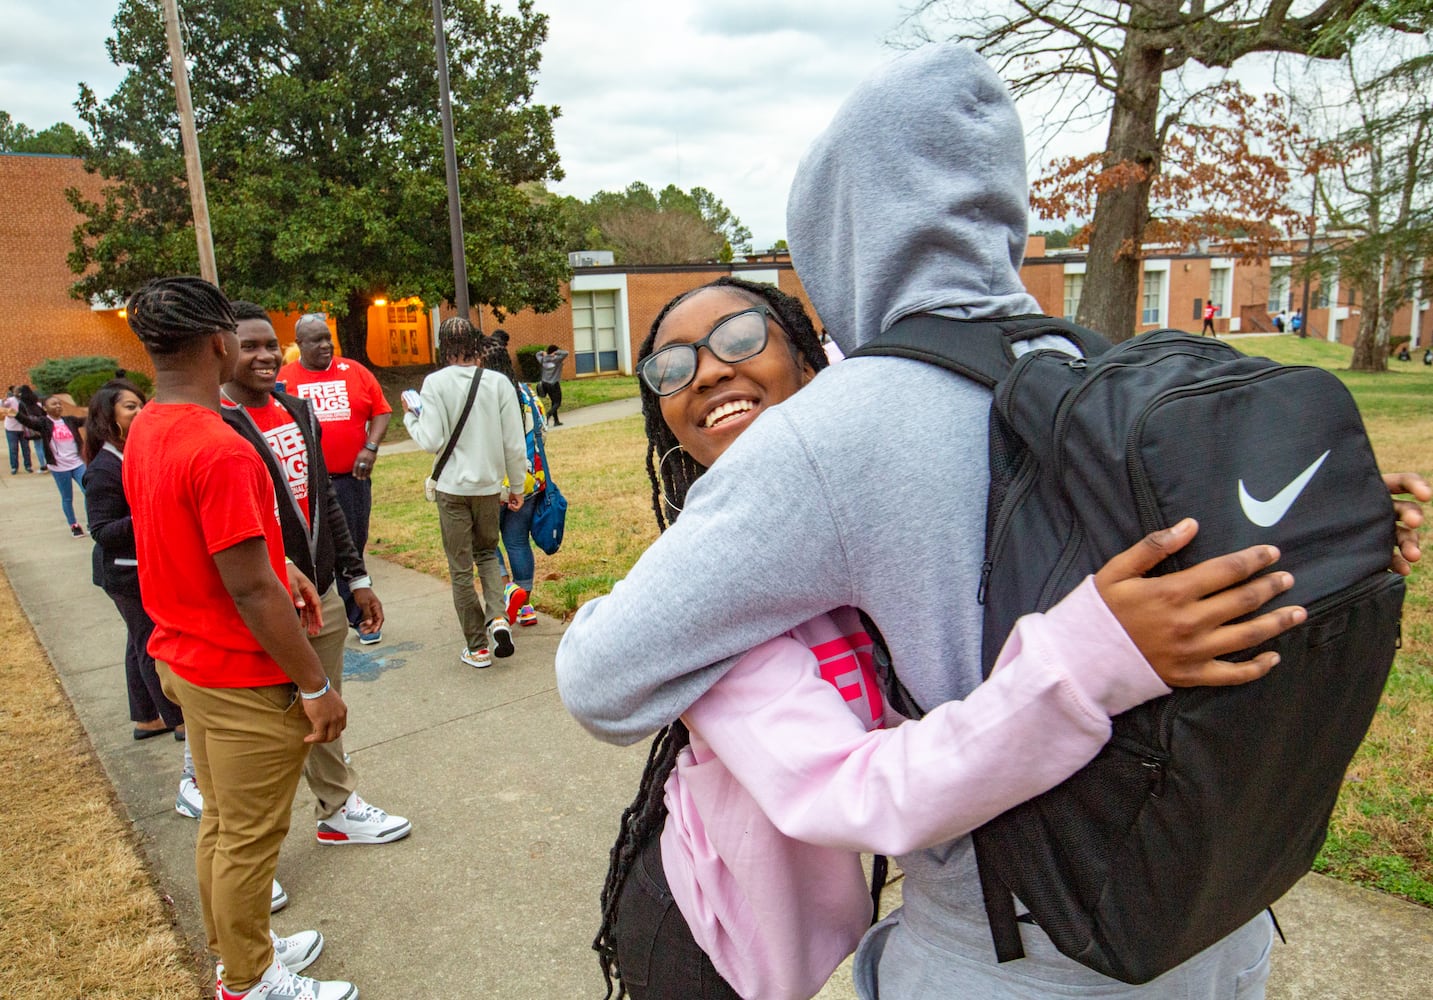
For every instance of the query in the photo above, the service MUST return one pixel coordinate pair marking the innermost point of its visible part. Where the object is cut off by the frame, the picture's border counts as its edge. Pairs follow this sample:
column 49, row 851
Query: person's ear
column 807, row 372
column 220, row 345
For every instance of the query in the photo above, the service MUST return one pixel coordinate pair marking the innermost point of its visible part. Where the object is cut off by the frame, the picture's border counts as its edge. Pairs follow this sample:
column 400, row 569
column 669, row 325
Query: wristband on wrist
column 315, row 695
column 361, row 583
column 372, row 445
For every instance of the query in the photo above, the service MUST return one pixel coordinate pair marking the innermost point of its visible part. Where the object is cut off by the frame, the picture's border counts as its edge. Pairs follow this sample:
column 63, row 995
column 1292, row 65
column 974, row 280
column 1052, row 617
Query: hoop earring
column 660, row 463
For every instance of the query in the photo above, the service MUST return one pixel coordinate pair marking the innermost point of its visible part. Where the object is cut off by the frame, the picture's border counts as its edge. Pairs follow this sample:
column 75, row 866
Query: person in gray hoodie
column 912, row 201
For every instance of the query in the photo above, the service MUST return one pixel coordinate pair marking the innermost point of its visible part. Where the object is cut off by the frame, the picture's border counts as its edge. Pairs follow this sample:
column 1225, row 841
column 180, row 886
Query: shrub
column 83, row 387
column 55, row 374
column 527, row 367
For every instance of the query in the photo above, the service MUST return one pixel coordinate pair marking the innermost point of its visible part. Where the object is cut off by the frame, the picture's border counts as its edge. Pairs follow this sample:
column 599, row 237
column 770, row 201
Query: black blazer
column 115, row 567
column 42, row 425
column 325, row 547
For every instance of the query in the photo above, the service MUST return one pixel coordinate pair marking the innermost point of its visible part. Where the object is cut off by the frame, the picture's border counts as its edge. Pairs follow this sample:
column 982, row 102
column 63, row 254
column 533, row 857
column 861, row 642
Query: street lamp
column 450, row 164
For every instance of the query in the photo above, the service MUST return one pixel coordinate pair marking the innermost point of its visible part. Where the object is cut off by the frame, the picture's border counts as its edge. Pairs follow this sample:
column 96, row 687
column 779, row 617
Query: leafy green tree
column 642, row 226
column 61, row 139
column 322, row 149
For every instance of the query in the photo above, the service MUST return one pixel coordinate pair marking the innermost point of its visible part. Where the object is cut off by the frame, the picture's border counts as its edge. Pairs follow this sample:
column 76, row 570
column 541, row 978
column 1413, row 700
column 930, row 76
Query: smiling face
column 126, row 405
column 256, row 364
column 724, row 397
column 315, row 344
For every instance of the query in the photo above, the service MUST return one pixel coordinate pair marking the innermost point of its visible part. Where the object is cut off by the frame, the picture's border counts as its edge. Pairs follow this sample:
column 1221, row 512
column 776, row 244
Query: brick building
column 607, row 310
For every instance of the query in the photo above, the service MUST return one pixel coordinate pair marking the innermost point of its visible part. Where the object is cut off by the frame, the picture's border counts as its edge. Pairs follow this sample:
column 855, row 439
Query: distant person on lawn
column 549, row 383
column 350, row 406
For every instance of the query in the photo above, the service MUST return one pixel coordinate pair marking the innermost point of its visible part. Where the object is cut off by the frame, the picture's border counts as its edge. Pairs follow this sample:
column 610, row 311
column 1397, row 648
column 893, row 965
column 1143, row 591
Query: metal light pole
column 193, row 169
column 450, row 163
column 1308, row 256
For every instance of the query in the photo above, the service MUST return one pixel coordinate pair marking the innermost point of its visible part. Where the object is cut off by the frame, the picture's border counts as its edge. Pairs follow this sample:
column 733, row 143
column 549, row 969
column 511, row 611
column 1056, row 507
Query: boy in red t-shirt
column 283, row 431
column 231, row 650
column 350, row 406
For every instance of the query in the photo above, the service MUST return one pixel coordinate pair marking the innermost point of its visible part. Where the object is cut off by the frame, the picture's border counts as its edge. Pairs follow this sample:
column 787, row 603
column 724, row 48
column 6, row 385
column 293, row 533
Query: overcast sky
column 725, row 95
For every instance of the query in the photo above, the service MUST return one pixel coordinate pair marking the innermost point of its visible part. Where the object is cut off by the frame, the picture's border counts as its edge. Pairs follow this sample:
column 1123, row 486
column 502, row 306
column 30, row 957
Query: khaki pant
column 328, row 777
column 248, row 750
column 470, row 534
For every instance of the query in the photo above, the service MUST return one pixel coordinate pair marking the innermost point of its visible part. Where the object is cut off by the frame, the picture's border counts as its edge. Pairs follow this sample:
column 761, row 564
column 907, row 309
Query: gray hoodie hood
column 914, row 199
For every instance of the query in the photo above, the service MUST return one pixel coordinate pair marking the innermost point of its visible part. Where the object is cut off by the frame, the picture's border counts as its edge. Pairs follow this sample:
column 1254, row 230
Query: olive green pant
column 470, row 535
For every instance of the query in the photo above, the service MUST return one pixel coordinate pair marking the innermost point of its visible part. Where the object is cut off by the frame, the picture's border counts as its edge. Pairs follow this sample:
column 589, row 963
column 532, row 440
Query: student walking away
column 753, row 807
column 1279, row 321
column 230, row 648
column 810, row 492
column 15, row 433
column 474, row 425
column 350, row 406
column 284, row 432
column 60, row 440
column 112, row 408
column 1296, row 324
column 516, row 525
column 550, row 381
column 1210, row 311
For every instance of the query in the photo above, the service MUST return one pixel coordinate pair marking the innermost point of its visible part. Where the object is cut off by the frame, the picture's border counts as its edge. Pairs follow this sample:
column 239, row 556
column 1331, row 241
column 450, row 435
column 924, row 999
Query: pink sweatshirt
column 789, row 776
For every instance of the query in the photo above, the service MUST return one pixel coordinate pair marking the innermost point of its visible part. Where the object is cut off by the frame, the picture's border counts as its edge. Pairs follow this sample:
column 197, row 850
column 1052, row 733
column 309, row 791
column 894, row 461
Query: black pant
column 656, row 954
column 553, row 391
column 355, row 496
column 147, row 700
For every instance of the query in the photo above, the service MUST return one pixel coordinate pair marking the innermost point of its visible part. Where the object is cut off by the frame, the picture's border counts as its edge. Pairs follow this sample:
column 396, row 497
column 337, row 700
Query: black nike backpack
column 1208, row 804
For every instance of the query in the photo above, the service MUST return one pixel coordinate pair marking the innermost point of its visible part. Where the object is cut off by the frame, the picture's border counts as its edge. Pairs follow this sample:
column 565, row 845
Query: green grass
column 1382, row 830
column 580, row 392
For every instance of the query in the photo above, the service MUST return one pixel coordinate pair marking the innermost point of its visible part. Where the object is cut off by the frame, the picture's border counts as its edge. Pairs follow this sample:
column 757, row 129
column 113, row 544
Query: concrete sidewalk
column 514, row 807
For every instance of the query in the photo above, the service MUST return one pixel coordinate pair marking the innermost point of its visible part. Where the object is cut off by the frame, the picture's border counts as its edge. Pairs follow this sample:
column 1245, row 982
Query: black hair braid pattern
column 672, row 474
column 168, row 313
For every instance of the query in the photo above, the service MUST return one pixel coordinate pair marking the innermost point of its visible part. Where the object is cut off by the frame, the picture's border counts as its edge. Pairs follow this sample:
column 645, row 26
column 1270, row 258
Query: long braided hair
column 168, row 314
column 458, row 338
column 672, row 472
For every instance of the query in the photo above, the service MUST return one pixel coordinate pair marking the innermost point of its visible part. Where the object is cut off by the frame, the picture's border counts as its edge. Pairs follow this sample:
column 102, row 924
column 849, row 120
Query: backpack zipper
column 1019, row 486
column 1153, row 762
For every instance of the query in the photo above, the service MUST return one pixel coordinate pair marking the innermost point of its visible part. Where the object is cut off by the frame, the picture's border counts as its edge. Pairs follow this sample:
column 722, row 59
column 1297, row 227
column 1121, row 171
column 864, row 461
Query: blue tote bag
column 549, row 516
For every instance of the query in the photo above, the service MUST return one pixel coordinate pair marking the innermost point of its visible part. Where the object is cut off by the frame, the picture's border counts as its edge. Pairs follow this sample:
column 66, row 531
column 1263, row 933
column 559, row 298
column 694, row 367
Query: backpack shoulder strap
column 458, row 428
column 982, row 350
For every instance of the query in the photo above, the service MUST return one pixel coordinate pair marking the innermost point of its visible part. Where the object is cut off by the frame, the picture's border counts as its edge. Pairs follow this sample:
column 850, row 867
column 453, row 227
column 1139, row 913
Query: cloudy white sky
column 725, row 95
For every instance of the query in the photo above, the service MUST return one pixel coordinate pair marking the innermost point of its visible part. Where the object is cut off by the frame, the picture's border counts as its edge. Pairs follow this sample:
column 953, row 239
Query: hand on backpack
column 1178, row 621
column 1409, row 515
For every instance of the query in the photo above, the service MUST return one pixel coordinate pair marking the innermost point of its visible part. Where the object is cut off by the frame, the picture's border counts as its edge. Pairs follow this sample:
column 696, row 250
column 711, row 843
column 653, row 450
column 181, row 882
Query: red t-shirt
column 195, row 488
column 345, row 397
column 286, row 441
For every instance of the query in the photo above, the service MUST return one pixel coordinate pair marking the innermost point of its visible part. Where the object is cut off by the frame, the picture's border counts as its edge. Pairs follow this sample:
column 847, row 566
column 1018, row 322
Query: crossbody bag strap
column 458, row 429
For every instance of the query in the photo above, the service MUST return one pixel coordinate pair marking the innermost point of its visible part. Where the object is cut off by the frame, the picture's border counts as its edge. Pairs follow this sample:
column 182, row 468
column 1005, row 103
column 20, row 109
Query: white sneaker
column 278, row 899
column 280, row 983
column 478, row 658
column 297, row 951
column 190, row 800
column 357, row 822
column 500, row 636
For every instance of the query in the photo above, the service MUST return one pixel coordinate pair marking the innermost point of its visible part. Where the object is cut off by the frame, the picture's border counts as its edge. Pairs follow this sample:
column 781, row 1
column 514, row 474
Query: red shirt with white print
column 345, row 398
column 286, row 441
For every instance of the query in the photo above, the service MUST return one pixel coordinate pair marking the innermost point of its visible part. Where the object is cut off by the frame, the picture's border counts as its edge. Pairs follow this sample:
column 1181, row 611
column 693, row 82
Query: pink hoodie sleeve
column 788, row 738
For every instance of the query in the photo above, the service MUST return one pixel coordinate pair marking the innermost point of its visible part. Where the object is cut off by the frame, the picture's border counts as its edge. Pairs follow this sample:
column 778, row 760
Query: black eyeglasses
column 739, row 337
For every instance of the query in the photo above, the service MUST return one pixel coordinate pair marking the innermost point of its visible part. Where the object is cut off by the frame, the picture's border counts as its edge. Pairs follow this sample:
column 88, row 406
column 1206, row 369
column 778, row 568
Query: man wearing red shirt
column 354, row 415
column 283, row 431
column 1210, row 310
column 231, row 650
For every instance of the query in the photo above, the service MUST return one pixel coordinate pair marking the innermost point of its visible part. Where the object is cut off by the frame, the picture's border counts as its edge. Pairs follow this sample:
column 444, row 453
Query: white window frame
column 610, row 283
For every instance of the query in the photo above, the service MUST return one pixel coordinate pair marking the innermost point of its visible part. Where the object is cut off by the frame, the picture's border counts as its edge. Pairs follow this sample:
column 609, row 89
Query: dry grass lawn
column 81, row 914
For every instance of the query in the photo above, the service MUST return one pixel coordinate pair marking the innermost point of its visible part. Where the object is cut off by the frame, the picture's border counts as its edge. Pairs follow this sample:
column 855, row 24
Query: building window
column 594, row 332
column 1320, row 298
column 1278, row 290
column 1074, row 288
column 1153, row 294
column 1219, row 287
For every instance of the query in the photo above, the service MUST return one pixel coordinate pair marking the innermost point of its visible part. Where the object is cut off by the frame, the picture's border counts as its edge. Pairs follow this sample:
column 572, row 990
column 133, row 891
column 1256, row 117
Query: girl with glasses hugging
column 737, row 870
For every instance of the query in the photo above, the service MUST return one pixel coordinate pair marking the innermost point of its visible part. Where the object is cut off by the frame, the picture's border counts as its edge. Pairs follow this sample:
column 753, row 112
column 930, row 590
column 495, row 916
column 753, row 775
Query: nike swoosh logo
column 1267, row 513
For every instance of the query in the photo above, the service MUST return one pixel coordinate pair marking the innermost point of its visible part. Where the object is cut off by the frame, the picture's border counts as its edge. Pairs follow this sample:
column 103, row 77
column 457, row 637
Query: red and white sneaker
column 478, row 658
column 358, row 822
column 279, row 983
column 527, row 616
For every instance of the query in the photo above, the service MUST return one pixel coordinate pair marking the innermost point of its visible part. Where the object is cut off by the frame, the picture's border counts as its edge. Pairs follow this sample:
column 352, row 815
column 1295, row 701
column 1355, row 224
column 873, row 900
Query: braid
column 169, row 313
column 671, row 476
column 641, row 821
column 457, row 338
